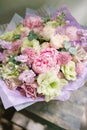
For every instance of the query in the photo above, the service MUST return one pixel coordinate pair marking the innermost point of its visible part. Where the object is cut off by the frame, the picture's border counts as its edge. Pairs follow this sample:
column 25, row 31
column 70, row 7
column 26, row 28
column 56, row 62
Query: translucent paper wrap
column 14, row 98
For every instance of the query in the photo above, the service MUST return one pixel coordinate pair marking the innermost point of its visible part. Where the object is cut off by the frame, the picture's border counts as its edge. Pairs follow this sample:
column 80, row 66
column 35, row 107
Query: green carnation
column 50, row 85
column 69, row 71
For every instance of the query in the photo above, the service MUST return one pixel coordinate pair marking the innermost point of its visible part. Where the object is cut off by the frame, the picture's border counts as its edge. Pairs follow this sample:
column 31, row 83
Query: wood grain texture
column 68, row 114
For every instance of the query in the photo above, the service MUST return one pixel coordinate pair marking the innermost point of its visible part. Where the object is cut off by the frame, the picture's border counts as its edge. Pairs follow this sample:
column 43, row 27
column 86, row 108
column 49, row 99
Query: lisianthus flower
column 69, row 71
column 64, row 58
column 46, row 60
column 79, row 68
column 13, row 83
column 1, row 56
column 81, row 54
column 32, row 21
column 30, row 90
column 50, row 85
column 28, row 76
column 34, row 44
column 71, row 32
column 22, row 58
column 57, row 40
column 30, row 52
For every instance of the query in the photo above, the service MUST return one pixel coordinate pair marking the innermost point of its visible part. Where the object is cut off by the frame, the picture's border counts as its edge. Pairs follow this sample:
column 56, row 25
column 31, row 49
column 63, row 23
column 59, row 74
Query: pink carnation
column 30, row 90
column 30, row 52
column 79, row 68
column 64, row 58
column 32, row 22
column 16, row 45
column 46, row 60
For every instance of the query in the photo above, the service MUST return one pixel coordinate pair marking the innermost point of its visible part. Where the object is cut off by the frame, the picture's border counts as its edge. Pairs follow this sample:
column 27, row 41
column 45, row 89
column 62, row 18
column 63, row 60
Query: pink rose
column 71, row 32
column 46, row 60
column 64, row 58
column 30, row 90
column 79, row 68
column 32, row 22
column 30, row 52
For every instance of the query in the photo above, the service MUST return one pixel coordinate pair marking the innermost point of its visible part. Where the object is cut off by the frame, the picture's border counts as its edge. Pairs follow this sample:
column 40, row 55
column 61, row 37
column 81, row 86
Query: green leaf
column 67, row 45
column 72, row 50
column 0, row 65
column 12, row 59
column 32, row 35
column 16, row 36
column 46, row 19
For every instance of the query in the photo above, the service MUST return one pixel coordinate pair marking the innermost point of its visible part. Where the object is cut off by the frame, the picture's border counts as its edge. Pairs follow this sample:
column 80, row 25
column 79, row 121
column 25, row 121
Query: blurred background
column 77, row 8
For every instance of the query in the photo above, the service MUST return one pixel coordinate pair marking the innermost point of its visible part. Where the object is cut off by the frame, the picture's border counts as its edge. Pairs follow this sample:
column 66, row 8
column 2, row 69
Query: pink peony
column 30, row 52
column 46, row 60
column 79, row 68
column 30, row 90
column 32, row 22
column 64, row 58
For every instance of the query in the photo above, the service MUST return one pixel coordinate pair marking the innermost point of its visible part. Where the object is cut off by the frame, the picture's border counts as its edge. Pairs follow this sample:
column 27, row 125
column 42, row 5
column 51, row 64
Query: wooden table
column 67, row 115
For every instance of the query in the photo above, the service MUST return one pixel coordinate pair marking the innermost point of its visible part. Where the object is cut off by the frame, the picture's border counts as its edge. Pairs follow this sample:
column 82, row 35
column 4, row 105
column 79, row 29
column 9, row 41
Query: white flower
column 58, row 40
column 48, row 31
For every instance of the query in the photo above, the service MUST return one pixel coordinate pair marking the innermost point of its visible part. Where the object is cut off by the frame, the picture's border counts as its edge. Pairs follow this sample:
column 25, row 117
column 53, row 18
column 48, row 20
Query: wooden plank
column 68, row 114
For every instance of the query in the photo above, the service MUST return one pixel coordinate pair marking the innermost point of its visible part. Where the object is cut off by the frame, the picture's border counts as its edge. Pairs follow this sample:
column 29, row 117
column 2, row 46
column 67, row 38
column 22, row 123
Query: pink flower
column 16, row 45
column 30, row 52
column 71, row 32
column 27, row 76
column 79, row 68
column 32, row 22
column 64, row 58
column 30, row 90
column 46, row 60
column 22, row 58
column 1, row 56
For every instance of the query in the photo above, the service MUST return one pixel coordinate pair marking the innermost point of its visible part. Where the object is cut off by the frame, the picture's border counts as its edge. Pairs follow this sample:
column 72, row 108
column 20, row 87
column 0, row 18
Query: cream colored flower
column 69, row 71
column 50, row 85
column 57, row 40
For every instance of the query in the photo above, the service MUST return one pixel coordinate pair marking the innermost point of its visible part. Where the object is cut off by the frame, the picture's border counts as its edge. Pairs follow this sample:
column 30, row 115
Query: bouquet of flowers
column 43, row 58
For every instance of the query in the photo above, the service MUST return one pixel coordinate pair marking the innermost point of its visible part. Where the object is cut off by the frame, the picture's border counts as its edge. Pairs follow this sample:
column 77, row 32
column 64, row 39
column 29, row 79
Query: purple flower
column 22, row 58
column 5, row 44
column 27, row 76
